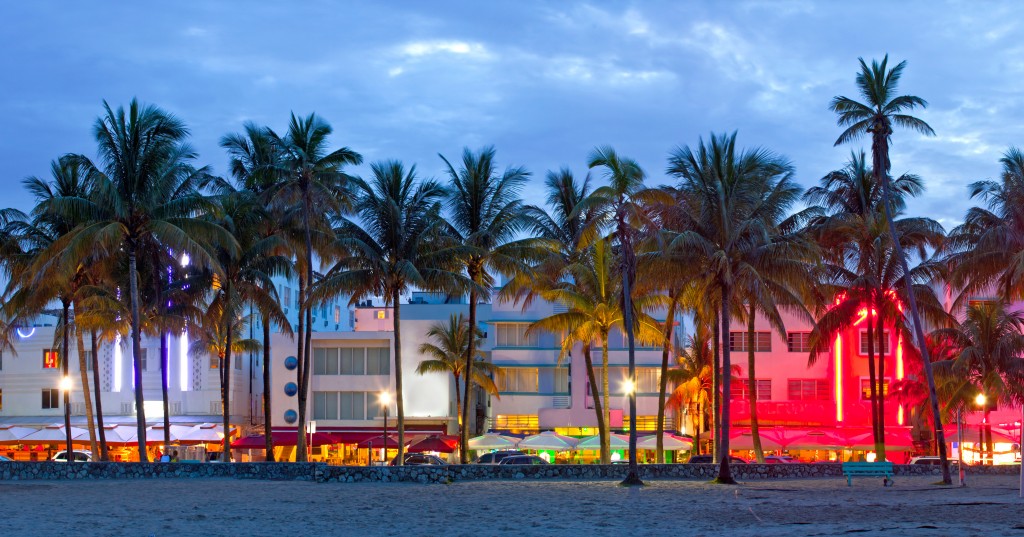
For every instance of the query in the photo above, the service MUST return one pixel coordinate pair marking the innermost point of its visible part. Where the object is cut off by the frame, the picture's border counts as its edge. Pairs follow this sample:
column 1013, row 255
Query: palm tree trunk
column 872, row 373
column 716, row 390
column 696, row 424
column 399, row 398
column 133, row 286
column 605, row 432
column 225, row 386
column 468, row 369
column 989, row 450
column 267, row 433
column 104, row 452
column 598, row 408
column 880, row 154
column 83, row 368
column 300, row 440
column 666, row 350
column 64, row 365
column 752, row 387
column 881, row 382
column 724, row 473
column 458, row 403
column 633, row 475
column 164, row 352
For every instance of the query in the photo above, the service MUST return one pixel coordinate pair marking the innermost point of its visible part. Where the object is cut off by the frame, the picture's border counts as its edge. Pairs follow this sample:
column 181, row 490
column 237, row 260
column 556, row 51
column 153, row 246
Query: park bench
column 868, row 469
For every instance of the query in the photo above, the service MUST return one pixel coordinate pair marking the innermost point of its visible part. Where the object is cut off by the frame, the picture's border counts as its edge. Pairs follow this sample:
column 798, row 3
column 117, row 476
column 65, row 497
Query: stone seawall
column 322, row 473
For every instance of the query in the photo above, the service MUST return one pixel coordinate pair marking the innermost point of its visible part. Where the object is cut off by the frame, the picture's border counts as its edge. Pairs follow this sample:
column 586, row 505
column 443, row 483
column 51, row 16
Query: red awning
column 377, row 442
column 282, row 438
column 435, row 443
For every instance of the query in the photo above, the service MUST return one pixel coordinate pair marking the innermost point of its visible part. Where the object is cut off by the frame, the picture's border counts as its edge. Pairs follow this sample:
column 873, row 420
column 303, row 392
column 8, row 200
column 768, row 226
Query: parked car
column 930, row 460
column 419, row 459
column 495, row 457
column 523, row 459
column 779, row 459
column 5, row 459
column 706, row 459
column 80, row 456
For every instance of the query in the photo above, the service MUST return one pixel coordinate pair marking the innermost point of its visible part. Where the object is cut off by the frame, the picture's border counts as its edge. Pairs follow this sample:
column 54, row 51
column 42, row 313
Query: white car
column 930, row 460
column 80, row 456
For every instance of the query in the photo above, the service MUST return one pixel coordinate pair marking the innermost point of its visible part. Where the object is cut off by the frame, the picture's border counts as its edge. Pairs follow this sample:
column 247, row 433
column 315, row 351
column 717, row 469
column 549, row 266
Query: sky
column 544, row 82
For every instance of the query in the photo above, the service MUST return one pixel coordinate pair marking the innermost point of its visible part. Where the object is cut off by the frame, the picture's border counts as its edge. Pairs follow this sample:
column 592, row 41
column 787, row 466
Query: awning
column 435, row 443
column 378, row 442
column 283, row 438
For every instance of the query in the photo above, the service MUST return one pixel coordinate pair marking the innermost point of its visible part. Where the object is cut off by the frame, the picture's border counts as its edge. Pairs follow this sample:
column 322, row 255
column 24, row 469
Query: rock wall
column 322, row 473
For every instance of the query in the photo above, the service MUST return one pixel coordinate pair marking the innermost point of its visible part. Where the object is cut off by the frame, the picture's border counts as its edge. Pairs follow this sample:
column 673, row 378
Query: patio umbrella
column 818, row 439
column 999, row 434
column 377, row 442
column 549, row 440
column 54, row 434
column 11, row 434
column 121, row 435
column 744, row 439
column 670, row 443
column 206, row 433
column 896, row 439
column 178, row 432
column 435, row 443
column 615, row 441
column 492, row 441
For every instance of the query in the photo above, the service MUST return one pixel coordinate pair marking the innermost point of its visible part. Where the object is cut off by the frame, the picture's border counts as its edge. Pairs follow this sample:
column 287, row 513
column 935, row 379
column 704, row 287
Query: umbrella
column 897, row 439
column 435, row 443
column 492, row 441
column 178, row 432
column 744, row 439
column 549, row 440
column 12, row 434
column 54, row 434
column 378, row 442
column 121, row 435
column 670, row 443
column 999, row 435
column 206, row 433
column 615, row 441
column 818, row 439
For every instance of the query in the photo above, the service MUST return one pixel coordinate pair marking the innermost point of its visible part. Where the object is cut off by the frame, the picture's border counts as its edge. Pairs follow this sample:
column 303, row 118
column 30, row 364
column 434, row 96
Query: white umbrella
column 549, row 440
column 155, row 433
column 11, row 434
column 54, row 434
column 615, row 441
column 671, row 443
column 206, row 433
column 492, row 441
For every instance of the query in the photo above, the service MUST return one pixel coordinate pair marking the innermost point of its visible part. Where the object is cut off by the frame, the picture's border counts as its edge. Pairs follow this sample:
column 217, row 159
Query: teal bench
column 868, row 469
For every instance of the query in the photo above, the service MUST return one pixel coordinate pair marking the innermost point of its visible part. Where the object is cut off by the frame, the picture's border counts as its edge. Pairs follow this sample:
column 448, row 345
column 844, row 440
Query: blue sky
column 544, row 82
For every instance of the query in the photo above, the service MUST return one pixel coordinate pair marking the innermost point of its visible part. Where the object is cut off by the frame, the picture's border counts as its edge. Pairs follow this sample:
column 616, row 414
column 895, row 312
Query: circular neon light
column 23, row 335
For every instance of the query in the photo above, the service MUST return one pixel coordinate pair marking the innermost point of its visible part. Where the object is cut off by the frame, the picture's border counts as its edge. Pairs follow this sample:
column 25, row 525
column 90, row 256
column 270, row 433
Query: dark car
column 706, row 459
column 523, row 459
column 419, row 459
column 495, row 457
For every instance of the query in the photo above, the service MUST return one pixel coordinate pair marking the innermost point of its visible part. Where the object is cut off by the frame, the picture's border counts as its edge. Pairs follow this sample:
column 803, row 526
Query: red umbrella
column 436, row 443
column 282, row 438
column 378, row 442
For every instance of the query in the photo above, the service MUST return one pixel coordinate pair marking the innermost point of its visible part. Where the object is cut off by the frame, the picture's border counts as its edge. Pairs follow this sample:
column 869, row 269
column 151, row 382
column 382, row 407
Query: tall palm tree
column 881, row 110
column 144, row 189
column 310, row 178
column 737, row 199
column 394, row 243
column 486, row 215
column 450, row 340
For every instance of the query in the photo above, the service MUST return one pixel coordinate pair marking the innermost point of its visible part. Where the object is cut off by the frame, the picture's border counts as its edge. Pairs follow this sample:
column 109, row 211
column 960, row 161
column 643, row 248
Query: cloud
column 417, row 49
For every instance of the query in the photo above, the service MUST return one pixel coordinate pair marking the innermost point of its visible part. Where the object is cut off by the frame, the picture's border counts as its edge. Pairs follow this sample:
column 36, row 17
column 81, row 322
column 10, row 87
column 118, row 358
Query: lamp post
column 385, row 403
column 980, row 400
column 65, row 387
column 633, row 476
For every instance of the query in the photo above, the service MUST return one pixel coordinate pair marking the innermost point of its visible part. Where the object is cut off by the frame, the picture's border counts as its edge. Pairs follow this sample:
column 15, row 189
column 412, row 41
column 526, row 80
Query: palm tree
column 144, row 189
column 882, row 109
column 446, row 352
column 311, row 179
column 393, row 243
column 737, row 199
column 985, row 357
column 486, row 215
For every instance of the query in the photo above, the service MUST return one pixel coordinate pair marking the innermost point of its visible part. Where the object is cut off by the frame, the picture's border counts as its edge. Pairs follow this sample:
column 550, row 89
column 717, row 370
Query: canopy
column 971, row 432
column 12, row 434
column 54, row 434
column 178, row 432
column 895, row 438
column 206, row 433
column 282, row 438
column 670, row 443
column 435, row 443
column 378, row 442
column 818, row 439
column 549, row 440
column 744, row 439
column 121, row 435
column 615, row 441
column 492, row 441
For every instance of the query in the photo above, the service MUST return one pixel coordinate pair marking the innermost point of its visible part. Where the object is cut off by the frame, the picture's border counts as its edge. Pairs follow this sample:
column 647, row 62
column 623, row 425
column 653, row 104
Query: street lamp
column 65, row 386
column 629, row 387
column 981, row 400
column 385, row 403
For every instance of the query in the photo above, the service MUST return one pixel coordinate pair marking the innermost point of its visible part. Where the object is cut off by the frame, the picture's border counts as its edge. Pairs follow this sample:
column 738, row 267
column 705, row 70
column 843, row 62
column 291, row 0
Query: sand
column 214, row 507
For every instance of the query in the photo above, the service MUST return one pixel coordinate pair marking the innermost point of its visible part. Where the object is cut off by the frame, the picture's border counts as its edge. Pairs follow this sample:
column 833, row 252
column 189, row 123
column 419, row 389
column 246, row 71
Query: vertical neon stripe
column 117, row 364
column 899, row 374
column 183, row 360
column 839, row 378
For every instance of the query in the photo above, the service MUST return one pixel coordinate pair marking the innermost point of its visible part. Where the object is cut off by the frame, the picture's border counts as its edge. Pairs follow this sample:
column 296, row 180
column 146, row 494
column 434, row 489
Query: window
column 643, row 423
column 378, row 361
column 561, row 375
column 762, row 341
column 238, row 361
column 49, row 360
column 514, row 335
column 864, row 342
column 808, row 390
column 798, row 341
column 647, row 379
column 214, row 361
column 287, row 296
column 143, row 358
column 296, row 299
column 1, row 400
column 51, row 398
column 382, row 314
column 337, row 314
column 353, row 361
column 88, row 361
column 865, row 388
column 325, row 361
column 353, row 405
column 1, row 360
column 325, row 405
column 373, row 407
column 516, row 422
column 518, row 379
column 764, row 389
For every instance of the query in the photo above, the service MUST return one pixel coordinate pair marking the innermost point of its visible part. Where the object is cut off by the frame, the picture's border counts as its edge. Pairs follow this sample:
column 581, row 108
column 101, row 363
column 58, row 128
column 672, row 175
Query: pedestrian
column 174, row 456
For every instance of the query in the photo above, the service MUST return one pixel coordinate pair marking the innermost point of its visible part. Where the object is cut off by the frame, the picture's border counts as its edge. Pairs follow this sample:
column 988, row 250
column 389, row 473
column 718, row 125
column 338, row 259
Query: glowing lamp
column 980, row 400
column 385, row 398
column 628, row 386
column 65, row 384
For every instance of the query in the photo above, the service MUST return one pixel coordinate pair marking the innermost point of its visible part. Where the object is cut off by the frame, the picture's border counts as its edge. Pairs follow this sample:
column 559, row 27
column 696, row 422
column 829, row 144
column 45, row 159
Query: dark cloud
column 543, row 81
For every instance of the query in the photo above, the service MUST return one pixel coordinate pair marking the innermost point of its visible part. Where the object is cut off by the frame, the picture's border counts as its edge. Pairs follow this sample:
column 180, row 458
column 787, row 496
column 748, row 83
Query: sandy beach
column 215, row 507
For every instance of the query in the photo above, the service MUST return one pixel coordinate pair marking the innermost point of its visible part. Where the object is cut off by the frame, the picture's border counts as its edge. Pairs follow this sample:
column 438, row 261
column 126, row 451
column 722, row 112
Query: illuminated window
column 514, row 335
column 647, row 379
column 49, row 360
column 518, row 380
column 382, row 314
column 516, row 422
column 865, row 388
column 643, row 423
column 864, row 342
column 144, row 359
column 762, row 341
column 739, row 389
column 337, row 314
column 798, row 341
column 88, row 361
column 51, row 398
column 809, row 390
